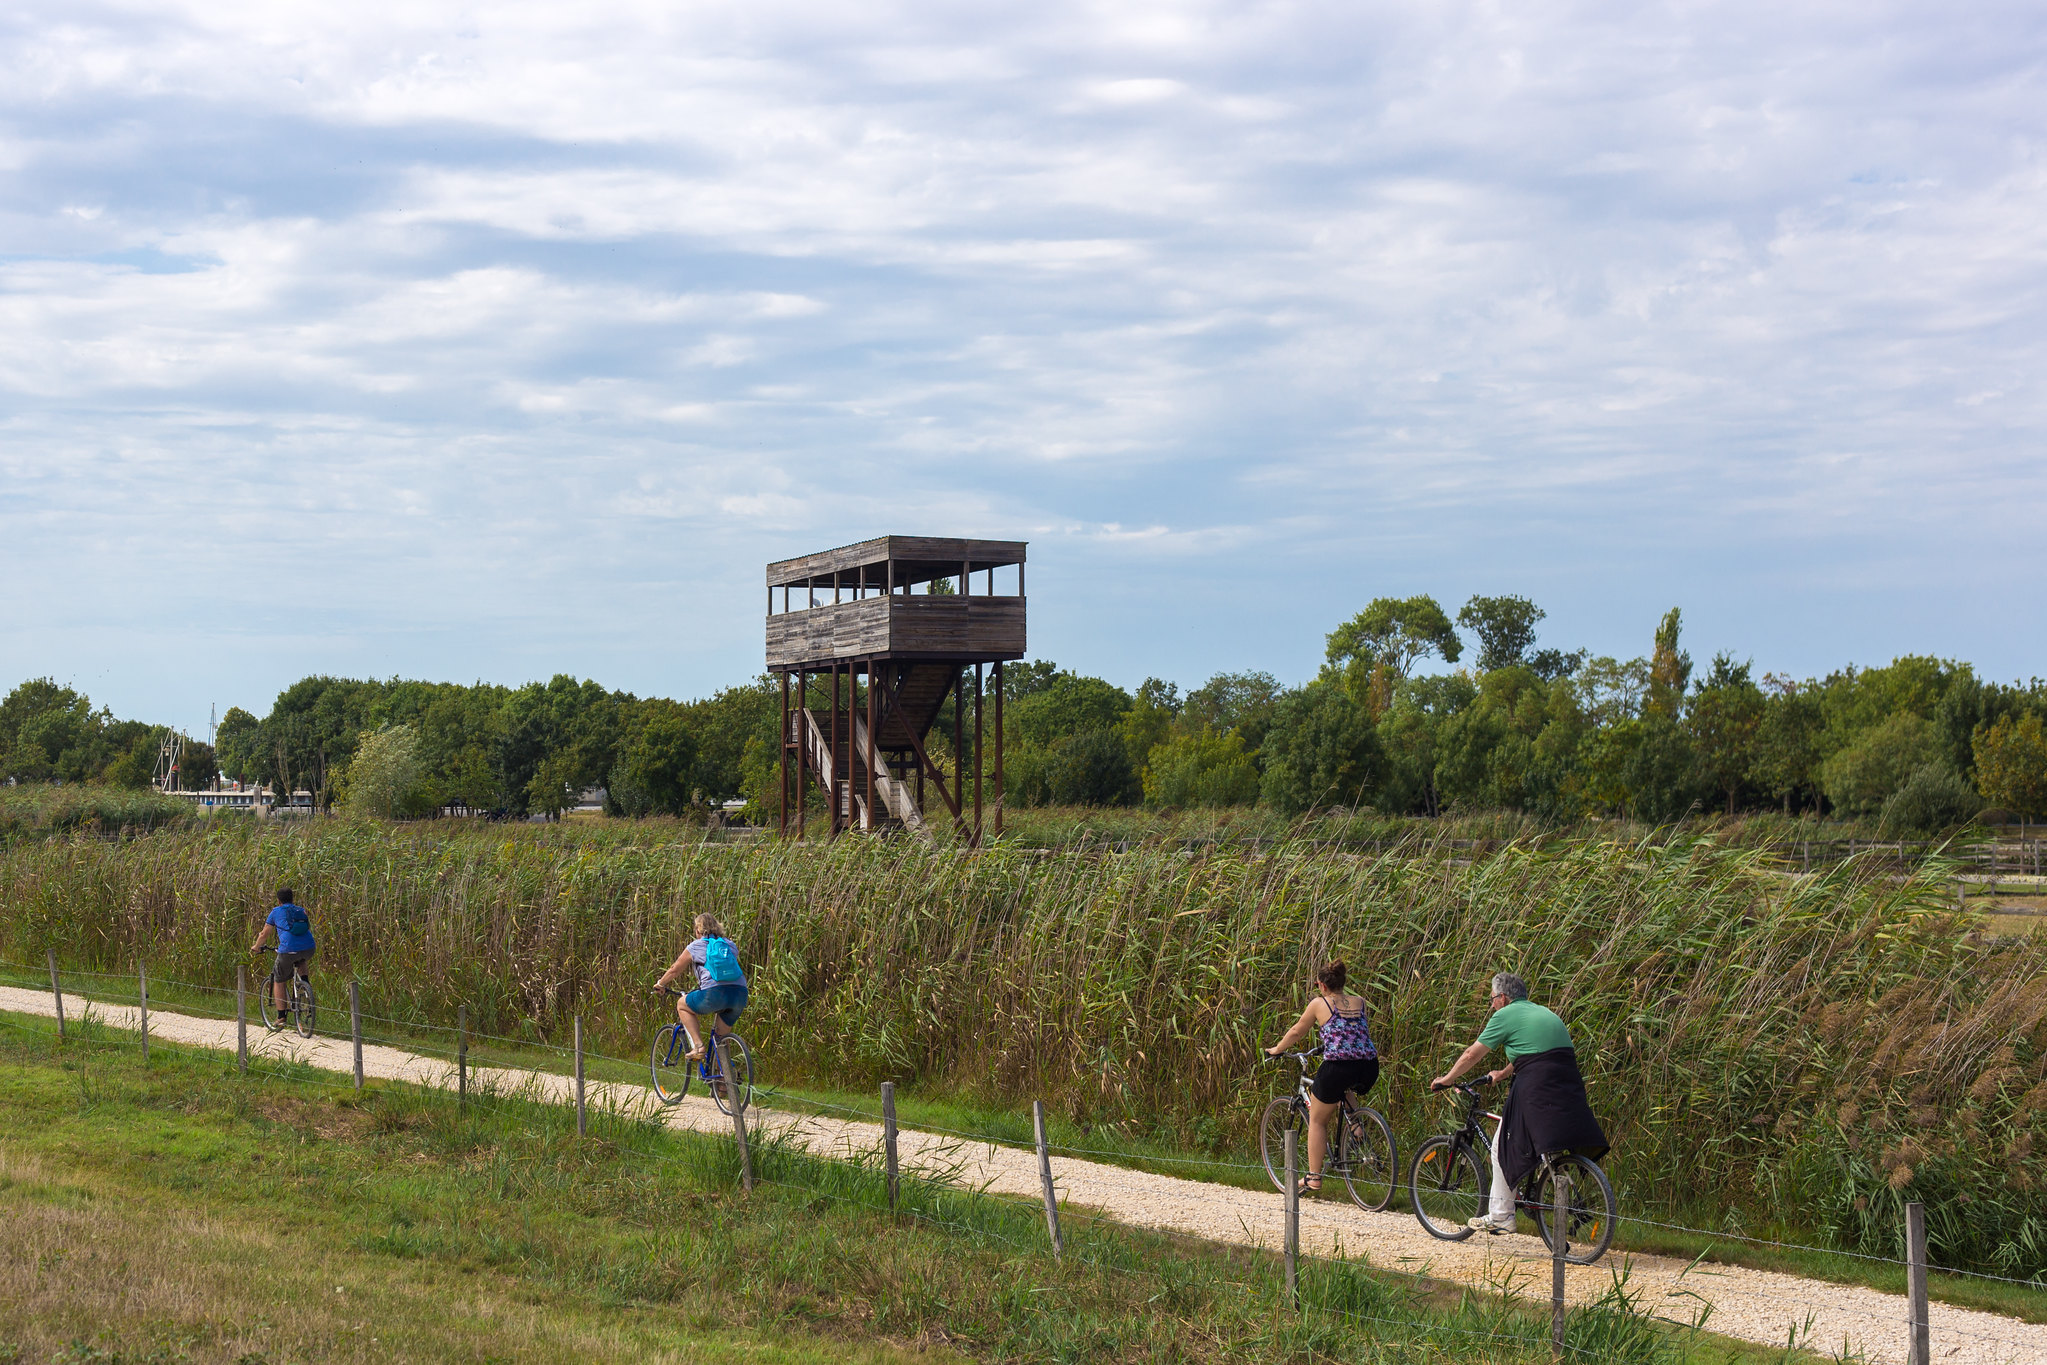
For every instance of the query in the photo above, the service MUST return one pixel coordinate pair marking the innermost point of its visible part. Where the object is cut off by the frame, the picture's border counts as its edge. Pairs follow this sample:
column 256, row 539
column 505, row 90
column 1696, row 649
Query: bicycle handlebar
column 1473, row 1086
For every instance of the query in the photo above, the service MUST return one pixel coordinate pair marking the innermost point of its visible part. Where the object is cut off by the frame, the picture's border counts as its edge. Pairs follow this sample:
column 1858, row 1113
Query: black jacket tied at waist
column 1547, row 1112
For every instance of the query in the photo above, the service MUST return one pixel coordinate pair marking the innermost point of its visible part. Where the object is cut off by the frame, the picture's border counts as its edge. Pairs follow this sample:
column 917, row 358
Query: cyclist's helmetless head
column 284, row 895
column 1509, row 985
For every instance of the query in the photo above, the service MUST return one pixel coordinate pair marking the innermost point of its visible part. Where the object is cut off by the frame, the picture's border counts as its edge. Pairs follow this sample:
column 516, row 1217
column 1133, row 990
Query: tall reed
column 1779, row 1050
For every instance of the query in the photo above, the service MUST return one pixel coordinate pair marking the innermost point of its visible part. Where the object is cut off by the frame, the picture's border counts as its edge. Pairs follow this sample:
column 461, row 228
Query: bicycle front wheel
column 1286, row 1112
column 740, row 1061
column 1369, row 1158
column 1588, row 1208
column 1446, row 1188
column 266, row 1003
column 669, row 1064
column 302, row 1005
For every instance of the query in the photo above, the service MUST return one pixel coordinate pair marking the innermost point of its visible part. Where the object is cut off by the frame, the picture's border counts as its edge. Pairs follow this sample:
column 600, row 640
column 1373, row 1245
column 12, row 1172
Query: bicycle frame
column 1472, row 1137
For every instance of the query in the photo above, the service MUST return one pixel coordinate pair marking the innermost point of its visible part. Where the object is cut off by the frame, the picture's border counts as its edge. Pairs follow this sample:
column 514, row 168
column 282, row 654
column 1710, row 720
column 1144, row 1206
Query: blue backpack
column 721, row 960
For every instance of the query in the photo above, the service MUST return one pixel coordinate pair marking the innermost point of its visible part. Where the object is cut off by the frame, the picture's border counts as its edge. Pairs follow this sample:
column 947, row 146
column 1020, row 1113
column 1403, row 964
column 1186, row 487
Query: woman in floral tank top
column 1350, row 1061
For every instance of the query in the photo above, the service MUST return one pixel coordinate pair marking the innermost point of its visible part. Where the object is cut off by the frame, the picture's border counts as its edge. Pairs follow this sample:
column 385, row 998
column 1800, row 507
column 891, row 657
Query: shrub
column 1935, row 798
column 1201, row 769
column 1091, row 768
column 1881, row 760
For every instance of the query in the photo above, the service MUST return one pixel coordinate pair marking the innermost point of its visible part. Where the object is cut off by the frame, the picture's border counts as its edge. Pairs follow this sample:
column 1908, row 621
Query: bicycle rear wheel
column 1368, row 1158
column 669, row 1064
column 740, row 1060
column 1283, row 1113
column 302, row 1005
column 1588, row 1209
column 1447, row 1188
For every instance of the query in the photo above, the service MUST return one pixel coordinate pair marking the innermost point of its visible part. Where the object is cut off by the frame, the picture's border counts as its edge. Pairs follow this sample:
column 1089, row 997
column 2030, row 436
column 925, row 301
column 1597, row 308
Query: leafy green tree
column 2011, row 765
column 239, row 740
column 1068, row 706
column 1662, row 770
column 1322, row 750
column 1375, row 649
column 1505, row 627
column 1235, row 703
column 657, row 769
column 1861, row 777
column 1788, row 752
column 1149, row 721
column 1092, row 768
column 383, row 777
column 1410, row 734
column 727, row 724
column 1201, row 768
column 1613, row 691
column 1553, row 664
column 1726, row 713
column 1028, row 677
column 1670, row 669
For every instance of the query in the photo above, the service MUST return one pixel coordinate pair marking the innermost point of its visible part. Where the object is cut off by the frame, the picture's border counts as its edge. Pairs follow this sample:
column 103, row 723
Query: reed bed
column 1776, row 1053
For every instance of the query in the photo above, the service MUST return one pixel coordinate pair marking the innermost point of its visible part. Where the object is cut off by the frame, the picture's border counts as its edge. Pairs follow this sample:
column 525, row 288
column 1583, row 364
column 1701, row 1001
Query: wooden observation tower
column 869, row 656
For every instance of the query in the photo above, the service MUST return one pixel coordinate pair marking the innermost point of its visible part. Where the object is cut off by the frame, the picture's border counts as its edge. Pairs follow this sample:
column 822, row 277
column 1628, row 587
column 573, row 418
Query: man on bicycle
column 1546, row 1111
column 292, row 930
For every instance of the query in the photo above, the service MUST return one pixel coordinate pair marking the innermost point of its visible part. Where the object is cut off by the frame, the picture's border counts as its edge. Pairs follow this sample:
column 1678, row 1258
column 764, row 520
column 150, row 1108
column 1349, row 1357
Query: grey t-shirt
column 695, row 953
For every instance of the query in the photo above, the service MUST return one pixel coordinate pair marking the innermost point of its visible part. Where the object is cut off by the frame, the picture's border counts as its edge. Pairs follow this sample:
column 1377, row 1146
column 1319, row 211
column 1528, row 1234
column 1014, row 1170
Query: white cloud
column 1374, row 295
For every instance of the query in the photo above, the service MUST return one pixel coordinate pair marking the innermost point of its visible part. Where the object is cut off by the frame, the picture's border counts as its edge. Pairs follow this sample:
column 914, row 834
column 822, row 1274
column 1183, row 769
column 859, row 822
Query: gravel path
column 1755, row 1305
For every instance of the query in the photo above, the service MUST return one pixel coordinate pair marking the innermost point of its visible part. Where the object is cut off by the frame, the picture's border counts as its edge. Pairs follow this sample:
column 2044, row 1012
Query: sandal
column 1310, row 1184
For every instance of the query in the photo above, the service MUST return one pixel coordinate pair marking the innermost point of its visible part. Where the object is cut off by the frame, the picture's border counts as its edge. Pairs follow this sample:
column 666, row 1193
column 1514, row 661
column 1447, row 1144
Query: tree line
column 1412, row 712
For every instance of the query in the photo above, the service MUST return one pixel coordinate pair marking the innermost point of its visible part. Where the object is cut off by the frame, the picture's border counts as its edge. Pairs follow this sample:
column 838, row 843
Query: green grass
column 171, row 1210
column 1013, row 1127
column 1801, row 1053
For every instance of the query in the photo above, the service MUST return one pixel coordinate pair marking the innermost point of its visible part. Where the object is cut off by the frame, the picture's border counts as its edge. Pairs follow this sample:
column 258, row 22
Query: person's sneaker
column 275, row 1026
column 1484, row 1223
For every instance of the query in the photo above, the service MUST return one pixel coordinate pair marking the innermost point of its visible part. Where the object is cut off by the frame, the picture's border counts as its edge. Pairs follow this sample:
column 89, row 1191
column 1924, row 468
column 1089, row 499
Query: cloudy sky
column 490, row 342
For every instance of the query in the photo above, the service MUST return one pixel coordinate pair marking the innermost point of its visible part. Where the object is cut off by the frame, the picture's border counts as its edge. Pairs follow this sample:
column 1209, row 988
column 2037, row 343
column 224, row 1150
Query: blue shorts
column 727, row 1001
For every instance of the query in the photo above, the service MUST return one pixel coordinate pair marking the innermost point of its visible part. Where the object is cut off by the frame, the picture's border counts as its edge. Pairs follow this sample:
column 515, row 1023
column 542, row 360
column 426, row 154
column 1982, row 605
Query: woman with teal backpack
column 721, row 985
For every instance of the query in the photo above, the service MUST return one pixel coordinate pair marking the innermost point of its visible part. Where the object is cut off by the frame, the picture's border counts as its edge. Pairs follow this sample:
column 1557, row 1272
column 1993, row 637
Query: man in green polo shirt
column 1552, row 1115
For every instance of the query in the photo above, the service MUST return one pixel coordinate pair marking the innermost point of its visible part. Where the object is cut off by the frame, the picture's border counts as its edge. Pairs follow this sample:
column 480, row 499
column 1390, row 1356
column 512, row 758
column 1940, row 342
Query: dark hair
column 284, row 895
column 1334, row 975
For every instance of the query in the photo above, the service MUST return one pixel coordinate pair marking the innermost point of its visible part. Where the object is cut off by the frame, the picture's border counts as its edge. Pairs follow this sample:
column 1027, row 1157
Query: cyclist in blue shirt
column 721, row 984
column 292, row 930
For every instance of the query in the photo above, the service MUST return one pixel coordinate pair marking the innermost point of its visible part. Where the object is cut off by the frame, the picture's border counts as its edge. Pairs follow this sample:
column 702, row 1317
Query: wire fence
column 490, row 1084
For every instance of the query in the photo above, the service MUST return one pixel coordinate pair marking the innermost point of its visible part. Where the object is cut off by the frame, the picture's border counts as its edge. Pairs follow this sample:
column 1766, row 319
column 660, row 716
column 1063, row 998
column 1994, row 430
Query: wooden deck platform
column 962, row 630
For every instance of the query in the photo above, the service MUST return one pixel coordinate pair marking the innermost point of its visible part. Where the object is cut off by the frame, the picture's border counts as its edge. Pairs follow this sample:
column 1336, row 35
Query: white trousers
column 1501, row 1210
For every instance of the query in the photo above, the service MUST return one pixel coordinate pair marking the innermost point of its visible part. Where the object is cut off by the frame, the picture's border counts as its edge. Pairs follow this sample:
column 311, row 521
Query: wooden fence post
column 1291, row 1237
column 242, row 1017
column 461, row 1054
column 142, row 974
column 57, row 993
column 355, row 1026
column 1920, row 1348
column 732, row 1098
column 1559, row 1246
column 582, row 1114
column 1045, row 1180
column 888, row 1138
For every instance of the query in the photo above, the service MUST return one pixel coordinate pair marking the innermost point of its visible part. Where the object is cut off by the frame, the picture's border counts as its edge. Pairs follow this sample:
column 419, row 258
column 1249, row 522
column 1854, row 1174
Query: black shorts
column 286, row 962
column 1333, row 1078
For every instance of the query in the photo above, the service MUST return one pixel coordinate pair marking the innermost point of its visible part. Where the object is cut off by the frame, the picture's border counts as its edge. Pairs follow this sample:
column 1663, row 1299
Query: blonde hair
column 708, row 926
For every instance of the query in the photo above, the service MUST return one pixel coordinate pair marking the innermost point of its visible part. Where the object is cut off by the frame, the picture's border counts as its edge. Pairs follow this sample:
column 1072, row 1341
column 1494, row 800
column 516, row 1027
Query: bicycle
column 668, row 1064
column 299, row 1005
column 1366, row 1157
column 1450, row 1184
